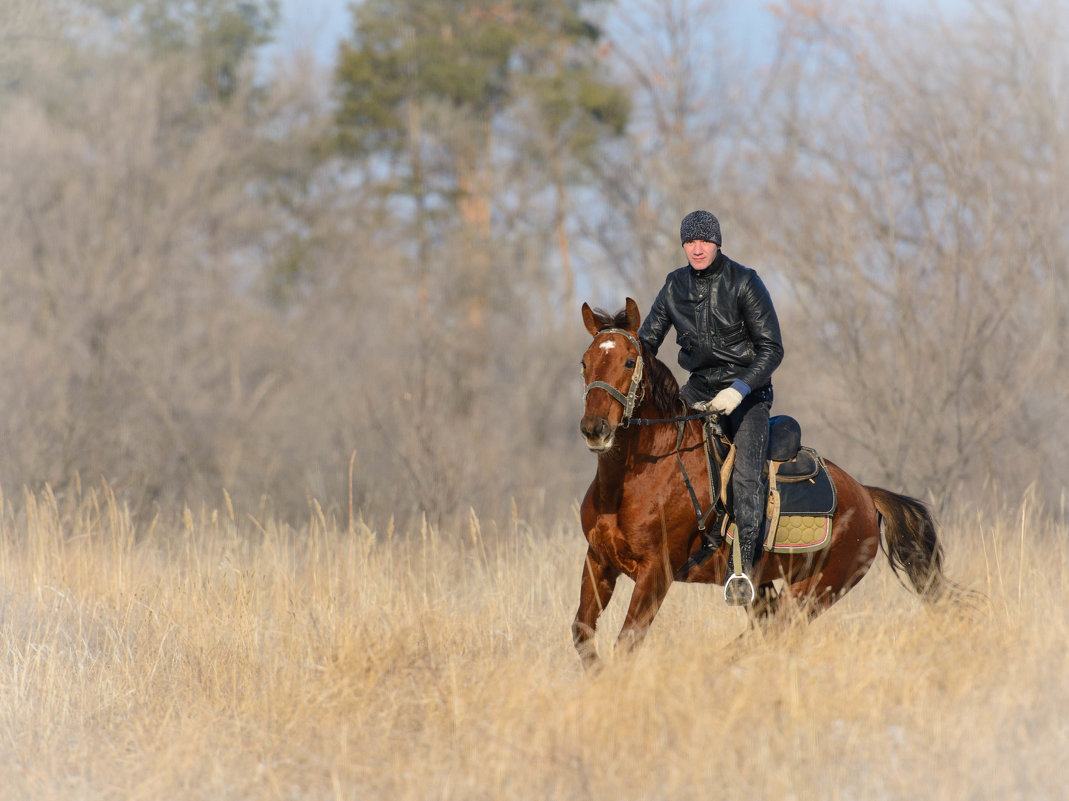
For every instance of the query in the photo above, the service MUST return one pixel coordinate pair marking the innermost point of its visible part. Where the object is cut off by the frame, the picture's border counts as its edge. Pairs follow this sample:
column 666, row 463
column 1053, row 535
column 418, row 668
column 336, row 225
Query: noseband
column 634, row 395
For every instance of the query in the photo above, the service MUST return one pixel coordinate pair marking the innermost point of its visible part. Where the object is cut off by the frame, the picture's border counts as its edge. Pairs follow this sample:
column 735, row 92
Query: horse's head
column 612, row 368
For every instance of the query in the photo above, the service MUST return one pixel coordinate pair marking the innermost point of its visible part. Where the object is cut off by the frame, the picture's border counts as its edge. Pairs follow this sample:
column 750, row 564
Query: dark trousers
column 747, row 427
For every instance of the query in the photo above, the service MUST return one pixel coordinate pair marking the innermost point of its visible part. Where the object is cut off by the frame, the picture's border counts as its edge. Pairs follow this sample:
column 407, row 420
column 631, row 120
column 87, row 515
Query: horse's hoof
column 738, row 590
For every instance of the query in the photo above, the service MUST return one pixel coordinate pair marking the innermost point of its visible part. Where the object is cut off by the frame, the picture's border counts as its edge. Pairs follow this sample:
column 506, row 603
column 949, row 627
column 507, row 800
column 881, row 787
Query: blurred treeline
column 219, row 273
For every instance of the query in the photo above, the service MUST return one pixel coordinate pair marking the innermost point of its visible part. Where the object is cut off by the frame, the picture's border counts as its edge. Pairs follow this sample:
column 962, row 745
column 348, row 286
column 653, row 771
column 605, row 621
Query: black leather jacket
column 726, row 326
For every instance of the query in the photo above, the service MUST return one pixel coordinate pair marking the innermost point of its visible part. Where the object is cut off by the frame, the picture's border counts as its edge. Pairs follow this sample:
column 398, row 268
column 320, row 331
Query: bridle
column 635, row 392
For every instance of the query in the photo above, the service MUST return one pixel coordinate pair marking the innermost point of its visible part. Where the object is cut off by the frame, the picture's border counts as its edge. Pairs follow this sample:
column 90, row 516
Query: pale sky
column 313, row 26
column 317, row 26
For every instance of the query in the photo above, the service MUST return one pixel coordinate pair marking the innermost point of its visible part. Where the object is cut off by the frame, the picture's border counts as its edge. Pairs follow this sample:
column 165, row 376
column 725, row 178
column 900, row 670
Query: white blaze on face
column 607, row 346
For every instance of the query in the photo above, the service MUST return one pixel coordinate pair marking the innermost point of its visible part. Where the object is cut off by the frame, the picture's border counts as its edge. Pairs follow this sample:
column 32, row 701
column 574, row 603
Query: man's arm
column 762, row 325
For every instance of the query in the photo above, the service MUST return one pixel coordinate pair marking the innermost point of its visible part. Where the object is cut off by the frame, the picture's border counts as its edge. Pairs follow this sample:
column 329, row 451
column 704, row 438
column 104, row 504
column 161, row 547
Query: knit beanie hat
column 699, row 225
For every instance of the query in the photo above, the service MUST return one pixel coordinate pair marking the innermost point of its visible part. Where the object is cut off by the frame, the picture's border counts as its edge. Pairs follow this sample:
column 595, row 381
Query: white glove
column 725, row 401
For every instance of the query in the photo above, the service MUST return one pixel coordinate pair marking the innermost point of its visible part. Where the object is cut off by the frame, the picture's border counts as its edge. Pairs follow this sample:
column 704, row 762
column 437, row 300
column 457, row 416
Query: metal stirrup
column 738, row 575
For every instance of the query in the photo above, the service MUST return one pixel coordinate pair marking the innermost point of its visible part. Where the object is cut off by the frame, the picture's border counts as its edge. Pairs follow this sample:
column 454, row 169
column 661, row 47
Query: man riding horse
column 729, row 342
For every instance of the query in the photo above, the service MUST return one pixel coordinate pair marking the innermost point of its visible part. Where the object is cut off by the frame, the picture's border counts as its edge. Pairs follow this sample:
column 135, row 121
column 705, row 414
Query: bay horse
column 641, row 521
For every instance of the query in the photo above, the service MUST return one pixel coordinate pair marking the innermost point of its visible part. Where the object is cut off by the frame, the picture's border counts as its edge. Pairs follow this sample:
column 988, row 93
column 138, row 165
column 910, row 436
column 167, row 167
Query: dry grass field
column 230, row 658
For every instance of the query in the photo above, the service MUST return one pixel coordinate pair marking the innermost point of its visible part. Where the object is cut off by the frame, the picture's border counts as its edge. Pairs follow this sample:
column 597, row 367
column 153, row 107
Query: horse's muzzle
column 598, row 432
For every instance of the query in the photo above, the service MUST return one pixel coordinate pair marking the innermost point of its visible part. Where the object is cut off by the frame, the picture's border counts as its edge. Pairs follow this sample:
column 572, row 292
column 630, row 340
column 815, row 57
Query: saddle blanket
column 801, row 504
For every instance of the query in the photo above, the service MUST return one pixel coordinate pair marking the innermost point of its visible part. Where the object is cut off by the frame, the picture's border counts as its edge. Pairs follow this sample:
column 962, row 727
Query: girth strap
column 699, row 557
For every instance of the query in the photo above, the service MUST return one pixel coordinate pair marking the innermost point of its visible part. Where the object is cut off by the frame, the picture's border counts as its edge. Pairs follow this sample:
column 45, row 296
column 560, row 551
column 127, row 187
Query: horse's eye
column 629, row 363
column 582, row 368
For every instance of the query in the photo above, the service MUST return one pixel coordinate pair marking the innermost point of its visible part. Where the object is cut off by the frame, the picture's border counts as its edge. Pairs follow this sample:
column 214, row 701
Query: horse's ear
column 589, row 321
column 634, row 317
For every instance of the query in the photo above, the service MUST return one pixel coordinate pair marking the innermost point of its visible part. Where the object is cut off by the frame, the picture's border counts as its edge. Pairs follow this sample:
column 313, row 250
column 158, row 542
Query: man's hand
column 725, row 401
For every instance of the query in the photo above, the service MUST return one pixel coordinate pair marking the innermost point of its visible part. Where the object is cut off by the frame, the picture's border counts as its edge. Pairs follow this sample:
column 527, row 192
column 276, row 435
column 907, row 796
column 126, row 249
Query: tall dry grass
column 233, row 658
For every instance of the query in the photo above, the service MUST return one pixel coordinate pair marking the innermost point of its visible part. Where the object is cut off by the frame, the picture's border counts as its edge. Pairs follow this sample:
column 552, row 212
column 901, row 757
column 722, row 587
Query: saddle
column 801, row 497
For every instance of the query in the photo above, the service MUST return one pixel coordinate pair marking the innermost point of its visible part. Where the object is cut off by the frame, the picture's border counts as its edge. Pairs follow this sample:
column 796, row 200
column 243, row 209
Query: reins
column 649, row 421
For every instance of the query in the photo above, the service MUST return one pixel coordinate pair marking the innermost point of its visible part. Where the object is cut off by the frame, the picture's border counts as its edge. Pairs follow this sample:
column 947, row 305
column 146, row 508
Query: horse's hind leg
column 766, row 603
column 778, row 605
column 595, row 591
column 770, row 611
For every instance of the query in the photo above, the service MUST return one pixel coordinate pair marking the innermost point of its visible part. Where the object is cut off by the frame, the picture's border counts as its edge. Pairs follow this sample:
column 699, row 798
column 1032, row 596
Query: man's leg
column 749, row 428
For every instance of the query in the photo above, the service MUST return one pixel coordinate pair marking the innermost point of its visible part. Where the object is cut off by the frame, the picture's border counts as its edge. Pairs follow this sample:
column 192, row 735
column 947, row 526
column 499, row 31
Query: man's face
column 700, row 253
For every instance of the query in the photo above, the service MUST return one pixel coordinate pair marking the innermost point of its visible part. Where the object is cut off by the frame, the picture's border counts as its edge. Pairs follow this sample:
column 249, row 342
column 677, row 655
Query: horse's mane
column 661, row 382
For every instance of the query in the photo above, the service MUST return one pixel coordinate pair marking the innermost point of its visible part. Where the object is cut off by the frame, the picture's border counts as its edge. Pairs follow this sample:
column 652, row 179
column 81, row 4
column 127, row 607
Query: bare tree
column 696, row 95
column 133, row 225
column 917, row 210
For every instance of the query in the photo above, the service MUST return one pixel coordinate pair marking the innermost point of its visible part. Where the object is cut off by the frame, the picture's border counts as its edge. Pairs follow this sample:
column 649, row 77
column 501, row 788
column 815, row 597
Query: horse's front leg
column 595, row 591
column 651, row 585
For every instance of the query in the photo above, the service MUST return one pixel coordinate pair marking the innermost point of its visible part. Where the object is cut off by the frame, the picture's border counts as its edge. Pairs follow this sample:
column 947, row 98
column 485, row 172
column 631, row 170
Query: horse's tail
column 910, row 542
